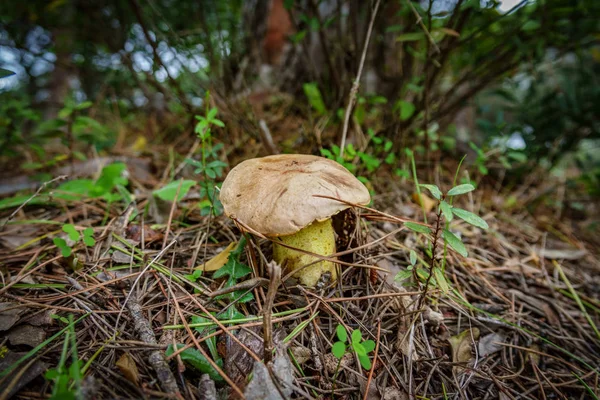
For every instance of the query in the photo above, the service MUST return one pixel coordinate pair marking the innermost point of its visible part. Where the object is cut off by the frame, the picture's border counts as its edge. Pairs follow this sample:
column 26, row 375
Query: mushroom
column 275, row 196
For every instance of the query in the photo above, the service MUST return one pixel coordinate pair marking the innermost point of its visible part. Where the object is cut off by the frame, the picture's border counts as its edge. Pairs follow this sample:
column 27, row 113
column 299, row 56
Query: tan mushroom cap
column 274, row 195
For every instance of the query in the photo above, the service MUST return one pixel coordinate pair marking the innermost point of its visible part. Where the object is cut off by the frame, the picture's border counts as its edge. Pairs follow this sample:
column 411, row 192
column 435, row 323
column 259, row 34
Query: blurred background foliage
column 513, row 85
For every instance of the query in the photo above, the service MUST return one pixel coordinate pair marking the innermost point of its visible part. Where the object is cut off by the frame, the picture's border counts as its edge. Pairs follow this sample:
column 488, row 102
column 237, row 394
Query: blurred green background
column 513, row 84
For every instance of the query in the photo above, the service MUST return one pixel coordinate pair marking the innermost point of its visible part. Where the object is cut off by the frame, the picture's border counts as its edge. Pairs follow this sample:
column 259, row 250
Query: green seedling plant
column 233, row 270
column 361, row 347
column 446, row 212
column 86, row 236
column 210, row 167
column 67, row 380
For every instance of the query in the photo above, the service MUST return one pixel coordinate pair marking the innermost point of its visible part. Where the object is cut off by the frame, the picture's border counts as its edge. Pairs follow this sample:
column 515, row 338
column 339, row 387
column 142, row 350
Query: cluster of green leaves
column 111, row 186
column 447, row 212
column 15, row 113
column 86, row 236
column 72, row 127
column 67, row 380
column 507, row 157
column 210, row 167
column 233, row 270
column 361, row 347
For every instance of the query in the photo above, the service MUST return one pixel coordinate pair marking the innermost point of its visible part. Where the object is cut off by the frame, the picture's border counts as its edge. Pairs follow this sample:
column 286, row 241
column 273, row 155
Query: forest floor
column 519, row 318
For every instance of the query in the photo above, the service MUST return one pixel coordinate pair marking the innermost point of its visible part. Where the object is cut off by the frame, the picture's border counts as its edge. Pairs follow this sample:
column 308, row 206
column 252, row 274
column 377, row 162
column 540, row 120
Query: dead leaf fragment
column 28, row 335
column 393, row 393
column 403, row 343
column 219, row 260
column 426, row 202
column 9, row 386
column 206, row 388
column 262, row 387
column 449, row 31
column 490, row 344
column 9, row 315
column 461, row 347
column 128, row 368
column 301, row 354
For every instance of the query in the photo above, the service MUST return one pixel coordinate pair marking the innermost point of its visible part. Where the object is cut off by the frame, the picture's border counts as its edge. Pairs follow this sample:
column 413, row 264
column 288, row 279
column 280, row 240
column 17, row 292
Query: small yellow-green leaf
column 219, row 260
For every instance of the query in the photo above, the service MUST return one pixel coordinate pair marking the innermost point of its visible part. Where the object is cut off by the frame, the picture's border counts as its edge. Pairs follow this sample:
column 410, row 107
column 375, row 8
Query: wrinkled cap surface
column 274, row 195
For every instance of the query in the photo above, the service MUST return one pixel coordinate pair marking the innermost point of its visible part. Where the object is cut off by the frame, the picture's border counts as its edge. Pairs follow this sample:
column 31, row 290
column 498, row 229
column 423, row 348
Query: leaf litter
column 509, row 325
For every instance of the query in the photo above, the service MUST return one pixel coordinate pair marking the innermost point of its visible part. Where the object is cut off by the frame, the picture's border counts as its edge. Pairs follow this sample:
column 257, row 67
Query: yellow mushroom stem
column 318, row 238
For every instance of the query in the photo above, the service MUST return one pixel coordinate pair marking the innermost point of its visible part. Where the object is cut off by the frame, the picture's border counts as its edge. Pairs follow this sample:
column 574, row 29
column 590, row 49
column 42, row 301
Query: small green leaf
column 471, row 218
column 83, row 105
column 65, row 113
column 88, row 237
column 212, row 113
column 341, row 333
column 71, row 231
column 359, row 349
column 196, row 360
column 356, row 336
column 232, row 268
column 446, row 210
column 407, row 109
column 338, row 349
column 531, row 25
column 517, row 156
column 413, row 257
column 434, row 190
column 218, row 122
column 461, row 189
column 403, row 275
column 413, row 226
column 365, row 362
column 410, row 37
column 169, row 191
column 369, row 345
column 441, row 279
column 454, row 242
column 89, row 241
column 312, row 92
column 65, row 250
column 4, row 73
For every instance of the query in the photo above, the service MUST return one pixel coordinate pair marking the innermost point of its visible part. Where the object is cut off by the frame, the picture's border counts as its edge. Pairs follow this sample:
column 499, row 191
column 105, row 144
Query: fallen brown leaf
column 128, row 367
column 219, row 260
